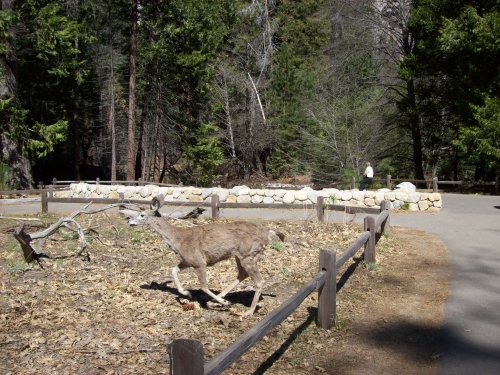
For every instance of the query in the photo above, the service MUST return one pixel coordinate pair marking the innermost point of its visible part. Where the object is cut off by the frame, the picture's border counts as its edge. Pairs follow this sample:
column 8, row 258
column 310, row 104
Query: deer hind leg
column 242, row 275
column 250, row 266
column 201, row 272
column 178, row 285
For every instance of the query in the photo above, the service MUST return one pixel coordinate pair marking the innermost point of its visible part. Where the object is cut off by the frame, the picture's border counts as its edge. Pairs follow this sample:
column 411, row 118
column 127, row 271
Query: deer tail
column 273, row 233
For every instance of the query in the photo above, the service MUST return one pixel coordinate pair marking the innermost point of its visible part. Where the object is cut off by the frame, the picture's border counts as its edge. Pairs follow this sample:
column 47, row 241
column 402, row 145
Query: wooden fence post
column 385, row 226
column 215, row 206
column 121, row 196
column 434, row 184
column 382, row 206
column 353, row 182
column 43, row 198
column 54, row 181
column 320, row 208
column 327, row 294
column 97, row 180
column 186, row 357
column 45, row 203
column 389, row 182
column 370, row 244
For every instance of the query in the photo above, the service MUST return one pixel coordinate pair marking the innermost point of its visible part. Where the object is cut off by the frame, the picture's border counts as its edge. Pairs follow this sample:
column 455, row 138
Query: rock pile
column 400, row 198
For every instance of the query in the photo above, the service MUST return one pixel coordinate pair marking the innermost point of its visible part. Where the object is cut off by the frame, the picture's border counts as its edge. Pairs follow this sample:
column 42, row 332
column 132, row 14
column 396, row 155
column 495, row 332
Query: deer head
column 141, row 217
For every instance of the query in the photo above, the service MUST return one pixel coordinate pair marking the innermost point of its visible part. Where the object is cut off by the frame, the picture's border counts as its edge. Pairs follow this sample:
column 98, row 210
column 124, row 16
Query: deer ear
column 157, row 202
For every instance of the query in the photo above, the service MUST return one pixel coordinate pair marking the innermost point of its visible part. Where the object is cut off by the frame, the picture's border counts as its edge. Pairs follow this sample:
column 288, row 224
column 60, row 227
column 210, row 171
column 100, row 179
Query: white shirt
column 369, row 172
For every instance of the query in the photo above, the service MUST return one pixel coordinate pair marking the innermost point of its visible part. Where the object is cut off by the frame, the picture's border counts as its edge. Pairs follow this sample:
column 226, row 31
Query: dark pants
column 365, row 181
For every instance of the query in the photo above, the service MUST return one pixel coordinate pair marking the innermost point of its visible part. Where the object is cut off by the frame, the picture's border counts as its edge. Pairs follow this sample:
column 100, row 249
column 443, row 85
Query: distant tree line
column 203, row 92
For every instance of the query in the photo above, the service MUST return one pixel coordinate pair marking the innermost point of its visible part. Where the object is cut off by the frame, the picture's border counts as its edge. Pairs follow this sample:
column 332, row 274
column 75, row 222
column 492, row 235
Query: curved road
column 470, row 227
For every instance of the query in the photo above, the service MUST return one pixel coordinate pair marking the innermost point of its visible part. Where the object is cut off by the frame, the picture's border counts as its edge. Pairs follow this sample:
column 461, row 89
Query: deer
column 203, row 246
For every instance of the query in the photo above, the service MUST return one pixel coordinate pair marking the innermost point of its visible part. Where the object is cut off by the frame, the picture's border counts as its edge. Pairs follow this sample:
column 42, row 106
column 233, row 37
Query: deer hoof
column 186, row 293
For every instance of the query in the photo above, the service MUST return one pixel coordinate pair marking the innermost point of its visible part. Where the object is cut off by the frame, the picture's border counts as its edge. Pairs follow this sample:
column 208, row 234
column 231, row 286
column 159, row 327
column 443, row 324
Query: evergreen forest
column 208, row 91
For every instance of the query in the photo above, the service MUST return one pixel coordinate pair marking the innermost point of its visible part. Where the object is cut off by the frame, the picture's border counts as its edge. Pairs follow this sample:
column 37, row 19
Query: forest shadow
column 423, row 344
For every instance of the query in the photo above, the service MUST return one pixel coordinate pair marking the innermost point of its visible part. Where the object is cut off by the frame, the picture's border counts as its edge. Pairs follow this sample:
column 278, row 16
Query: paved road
column 470, row 226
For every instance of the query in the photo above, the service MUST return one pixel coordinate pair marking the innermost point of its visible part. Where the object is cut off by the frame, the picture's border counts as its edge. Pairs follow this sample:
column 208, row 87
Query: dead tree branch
column 33, row 253
column 25, row 239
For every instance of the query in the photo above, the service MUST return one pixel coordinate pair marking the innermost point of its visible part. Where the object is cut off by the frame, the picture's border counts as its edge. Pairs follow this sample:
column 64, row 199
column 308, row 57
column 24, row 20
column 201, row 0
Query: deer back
column 216, row 242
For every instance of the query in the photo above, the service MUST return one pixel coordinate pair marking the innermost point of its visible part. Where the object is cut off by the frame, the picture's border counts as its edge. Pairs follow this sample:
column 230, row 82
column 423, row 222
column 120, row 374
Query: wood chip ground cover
column 118, row 312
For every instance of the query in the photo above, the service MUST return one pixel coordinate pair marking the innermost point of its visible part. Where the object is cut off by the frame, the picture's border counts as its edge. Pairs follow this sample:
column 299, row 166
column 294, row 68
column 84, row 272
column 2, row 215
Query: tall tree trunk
column 228, row 117
column 141, row 150
column 112, row 95
column 111, row 119
column 416, row 133
column 157, row 124
column 77, row 142
column 268, row 35
column 16, row 166
column 131, row 94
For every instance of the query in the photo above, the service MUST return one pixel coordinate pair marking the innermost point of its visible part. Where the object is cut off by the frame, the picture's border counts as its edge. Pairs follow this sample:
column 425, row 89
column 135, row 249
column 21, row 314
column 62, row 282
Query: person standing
column 367, row 178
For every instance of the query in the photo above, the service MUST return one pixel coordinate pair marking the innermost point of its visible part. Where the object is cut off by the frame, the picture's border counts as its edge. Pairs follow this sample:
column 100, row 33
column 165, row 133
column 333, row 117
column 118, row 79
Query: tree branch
column 25, row 239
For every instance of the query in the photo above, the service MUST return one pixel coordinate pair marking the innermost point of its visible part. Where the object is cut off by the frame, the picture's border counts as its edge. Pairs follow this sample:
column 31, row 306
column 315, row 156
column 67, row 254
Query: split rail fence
column 47, row 196
column 186, row 356
column 46, row 193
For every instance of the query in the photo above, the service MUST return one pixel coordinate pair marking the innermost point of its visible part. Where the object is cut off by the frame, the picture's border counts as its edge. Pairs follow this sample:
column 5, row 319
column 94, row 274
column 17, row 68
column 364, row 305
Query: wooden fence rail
column 215, row 205
column 186, row 356
column 98, row 181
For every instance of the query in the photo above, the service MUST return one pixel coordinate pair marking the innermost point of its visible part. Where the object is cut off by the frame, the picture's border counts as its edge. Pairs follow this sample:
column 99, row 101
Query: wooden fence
column 215, row 205
column 388, row 182
column 47, row 196
column 186, row 356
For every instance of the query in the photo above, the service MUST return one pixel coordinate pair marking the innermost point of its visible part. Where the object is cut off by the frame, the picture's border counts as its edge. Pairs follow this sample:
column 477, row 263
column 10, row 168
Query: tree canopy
column 203, row 92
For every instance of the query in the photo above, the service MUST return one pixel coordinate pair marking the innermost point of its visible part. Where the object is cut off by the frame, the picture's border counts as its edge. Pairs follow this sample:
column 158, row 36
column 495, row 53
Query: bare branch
column 25, row 239
column 258, row 97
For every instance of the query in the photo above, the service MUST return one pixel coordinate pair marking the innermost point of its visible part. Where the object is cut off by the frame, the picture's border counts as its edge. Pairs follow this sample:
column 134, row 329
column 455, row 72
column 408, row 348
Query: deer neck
column 168, row 232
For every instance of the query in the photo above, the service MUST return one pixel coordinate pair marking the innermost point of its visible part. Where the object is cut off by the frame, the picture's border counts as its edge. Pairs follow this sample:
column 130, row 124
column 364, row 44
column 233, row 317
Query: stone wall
column 400, row 198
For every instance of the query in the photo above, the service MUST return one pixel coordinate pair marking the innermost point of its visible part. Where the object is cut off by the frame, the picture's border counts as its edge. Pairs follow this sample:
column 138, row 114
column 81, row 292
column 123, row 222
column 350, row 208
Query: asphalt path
column 470, row 227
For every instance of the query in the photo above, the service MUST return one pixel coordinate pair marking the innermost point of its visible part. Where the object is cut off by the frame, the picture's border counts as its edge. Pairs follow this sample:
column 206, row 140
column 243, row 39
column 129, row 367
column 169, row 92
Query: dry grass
column 118, row 312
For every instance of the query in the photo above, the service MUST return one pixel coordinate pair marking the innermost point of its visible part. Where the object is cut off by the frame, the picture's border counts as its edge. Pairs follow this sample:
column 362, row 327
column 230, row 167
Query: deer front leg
column 175, row 275
column 253, row 271
column 242, row 275
column 201, row 272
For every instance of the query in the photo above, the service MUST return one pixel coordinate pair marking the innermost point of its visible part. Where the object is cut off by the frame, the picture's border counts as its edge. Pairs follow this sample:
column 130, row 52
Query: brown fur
column 203, row 246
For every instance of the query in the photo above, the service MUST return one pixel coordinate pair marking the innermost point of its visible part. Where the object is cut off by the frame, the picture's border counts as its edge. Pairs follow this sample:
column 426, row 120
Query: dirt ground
column 116, row 313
